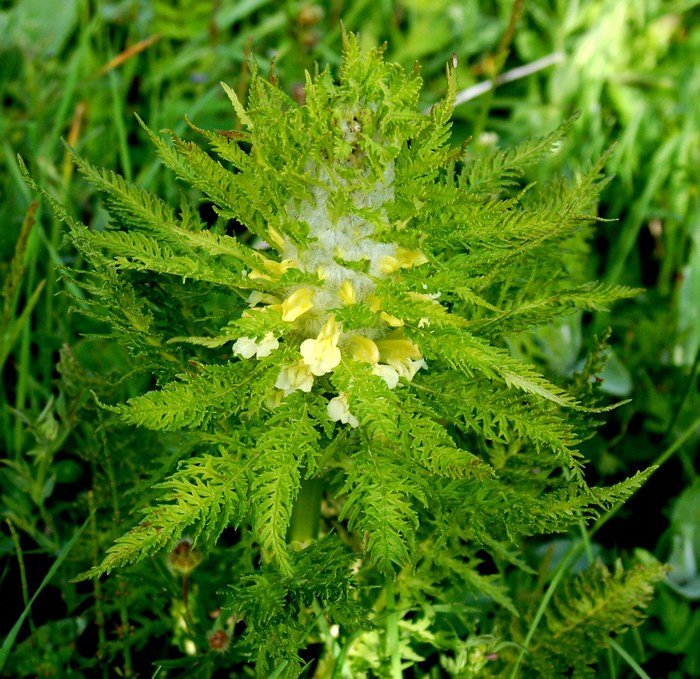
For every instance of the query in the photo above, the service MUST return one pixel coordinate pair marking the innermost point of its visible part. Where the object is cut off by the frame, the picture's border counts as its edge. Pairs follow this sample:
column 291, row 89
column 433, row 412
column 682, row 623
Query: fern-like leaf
column 589, row 608
column 205, row 495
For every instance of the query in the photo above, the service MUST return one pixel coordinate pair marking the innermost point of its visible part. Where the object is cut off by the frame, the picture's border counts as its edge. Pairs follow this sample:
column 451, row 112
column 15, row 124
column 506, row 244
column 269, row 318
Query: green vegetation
column 346, row 452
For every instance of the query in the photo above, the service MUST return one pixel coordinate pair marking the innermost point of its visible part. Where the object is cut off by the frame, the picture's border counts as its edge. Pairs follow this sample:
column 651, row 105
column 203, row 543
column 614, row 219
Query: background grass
column 81, row 70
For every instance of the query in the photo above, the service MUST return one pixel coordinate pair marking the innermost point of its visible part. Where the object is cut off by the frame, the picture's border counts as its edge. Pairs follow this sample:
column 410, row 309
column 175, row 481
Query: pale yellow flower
column 366, row 350
column 295, row 376
column 424, row 297
column 410, row 258
column 387, row 373
column 363, row 349
column 402, row 259
column 402, row 355
column 407, row 368
column 256, row 297
column 393, row 321
column 322, row 354
column 397, row 349
column 274, row 268
column 246, row 347
column 388, row 264
column 339, row 411
column 298, row 303
column 347, row 293
column 275, row 237
column 374, row 303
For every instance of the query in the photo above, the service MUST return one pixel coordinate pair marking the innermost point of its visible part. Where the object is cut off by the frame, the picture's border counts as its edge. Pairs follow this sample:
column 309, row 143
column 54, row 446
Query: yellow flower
column 393, row 321
column 397, row 349
column 424, row 297
column 347, row 293
column 374, row 303
column 407, row 368
column 388, row 264
column 401, row 355
column 322, row 354
column 273, row 267
column 388, row 374
column 363, row 349
column 256, row 297
column 274, row 399
column 409, row 258
column 295, row 376
column 366, row 350
column 402, row 259
column 339, row 411
column 246, row 347
column 298, row 303
column 275, row 237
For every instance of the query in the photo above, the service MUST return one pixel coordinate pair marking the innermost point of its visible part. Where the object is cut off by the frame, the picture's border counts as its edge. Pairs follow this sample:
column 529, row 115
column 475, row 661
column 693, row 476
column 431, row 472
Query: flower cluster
column 312, row 310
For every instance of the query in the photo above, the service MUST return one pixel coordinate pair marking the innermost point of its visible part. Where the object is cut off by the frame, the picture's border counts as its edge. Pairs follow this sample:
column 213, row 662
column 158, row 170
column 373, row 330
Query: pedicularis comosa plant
column 334, row 352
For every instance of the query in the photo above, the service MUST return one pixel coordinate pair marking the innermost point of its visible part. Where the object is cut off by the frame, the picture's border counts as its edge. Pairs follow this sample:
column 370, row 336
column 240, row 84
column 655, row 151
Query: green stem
column 306, row 515
column 22, row 572
column 99, row 611
column 393, row 649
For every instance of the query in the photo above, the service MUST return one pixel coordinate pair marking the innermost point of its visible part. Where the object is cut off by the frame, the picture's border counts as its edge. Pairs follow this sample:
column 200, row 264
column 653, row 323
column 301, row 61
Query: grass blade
column 9, row 641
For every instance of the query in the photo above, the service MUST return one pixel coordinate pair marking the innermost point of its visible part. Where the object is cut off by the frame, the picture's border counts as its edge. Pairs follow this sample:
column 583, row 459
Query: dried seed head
column 219, row 640
column 309, row 15
column 184, row 558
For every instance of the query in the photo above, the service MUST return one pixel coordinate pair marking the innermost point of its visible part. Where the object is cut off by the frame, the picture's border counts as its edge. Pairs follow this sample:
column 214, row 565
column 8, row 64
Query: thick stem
column 393, row 649
column 306, row 515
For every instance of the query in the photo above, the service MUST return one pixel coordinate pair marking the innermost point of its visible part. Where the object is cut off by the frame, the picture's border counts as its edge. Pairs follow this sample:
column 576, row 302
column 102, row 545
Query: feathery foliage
column 589, row 608
column 344, row 322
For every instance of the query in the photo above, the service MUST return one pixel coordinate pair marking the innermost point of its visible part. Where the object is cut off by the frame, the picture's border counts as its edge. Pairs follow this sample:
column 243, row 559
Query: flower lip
column 295, row 377
column 322, row 354
column 339, row 411
column 247, row 347
column 298, row 303
column 389, row 374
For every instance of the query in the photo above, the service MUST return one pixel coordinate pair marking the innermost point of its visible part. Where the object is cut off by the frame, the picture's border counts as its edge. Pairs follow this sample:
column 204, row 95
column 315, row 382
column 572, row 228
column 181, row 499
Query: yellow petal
column 246, row 347
column 273, row 267
column 393, row 321
column 388, row 264
column 295, row 376
column 363, row 349
column 339, row 411
column 388, row 374
column 256, row 297
column 374, row 303
column 256, row 275
column 347, row 293
column 407, row 368
column 397, row 349
column 274, row 237
column 410, row 258
column 298, row 303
